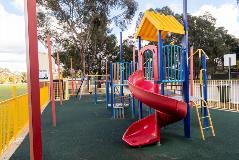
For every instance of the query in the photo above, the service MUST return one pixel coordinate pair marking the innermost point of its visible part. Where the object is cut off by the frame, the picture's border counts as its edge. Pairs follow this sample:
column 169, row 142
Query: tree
column 203, row 33
column 127, row 52
column 7, row 76
column 80, row 23
column 23, row 77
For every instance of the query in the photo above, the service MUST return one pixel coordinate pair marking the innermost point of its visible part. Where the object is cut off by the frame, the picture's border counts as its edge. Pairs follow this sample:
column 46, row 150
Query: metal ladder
column 201, row 118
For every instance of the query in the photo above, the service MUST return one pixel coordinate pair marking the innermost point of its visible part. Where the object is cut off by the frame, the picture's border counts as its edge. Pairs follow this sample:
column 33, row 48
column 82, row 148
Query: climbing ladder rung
column 201, row 107
column 207, row 127
column 205, row 117
column 201, row 117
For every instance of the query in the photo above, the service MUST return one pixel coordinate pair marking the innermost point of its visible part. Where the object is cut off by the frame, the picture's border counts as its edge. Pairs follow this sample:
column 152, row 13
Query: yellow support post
column 8, row 112
column 200, row 77
column 1, row 132
column 14, row 96
column 4, row 132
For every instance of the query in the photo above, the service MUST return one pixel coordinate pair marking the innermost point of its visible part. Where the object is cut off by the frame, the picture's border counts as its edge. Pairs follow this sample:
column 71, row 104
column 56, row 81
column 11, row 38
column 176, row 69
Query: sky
column 12, row 26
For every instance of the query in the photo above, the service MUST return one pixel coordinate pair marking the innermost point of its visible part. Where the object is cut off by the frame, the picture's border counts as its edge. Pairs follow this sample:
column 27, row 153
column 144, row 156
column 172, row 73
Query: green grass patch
column 6, row 91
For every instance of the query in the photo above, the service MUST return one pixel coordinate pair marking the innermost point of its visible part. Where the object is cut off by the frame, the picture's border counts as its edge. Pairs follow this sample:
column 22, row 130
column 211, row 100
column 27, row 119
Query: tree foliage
column 6, row 76
column 204, row 34
column 81, row 27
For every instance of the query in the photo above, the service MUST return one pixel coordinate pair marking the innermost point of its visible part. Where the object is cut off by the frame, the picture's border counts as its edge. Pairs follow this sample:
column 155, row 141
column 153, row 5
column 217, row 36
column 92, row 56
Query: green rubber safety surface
column 85, row 131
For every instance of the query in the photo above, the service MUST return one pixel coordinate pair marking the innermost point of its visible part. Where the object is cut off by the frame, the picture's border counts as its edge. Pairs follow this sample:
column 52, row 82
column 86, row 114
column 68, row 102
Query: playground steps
column 119, row 108
column 204, row 119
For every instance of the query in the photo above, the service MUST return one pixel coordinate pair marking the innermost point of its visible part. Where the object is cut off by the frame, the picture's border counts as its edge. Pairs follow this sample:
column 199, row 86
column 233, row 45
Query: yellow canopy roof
column 152, row 22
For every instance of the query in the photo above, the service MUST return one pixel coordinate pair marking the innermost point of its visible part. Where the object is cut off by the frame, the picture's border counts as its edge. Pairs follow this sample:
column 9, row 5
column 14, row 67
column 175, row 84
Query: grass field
column 6, row 90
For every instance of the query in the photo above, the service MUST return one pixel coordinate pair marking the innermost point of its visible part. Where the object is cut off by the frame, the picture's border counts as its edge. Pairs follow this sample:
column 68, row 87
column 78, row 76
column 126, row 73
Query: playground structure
column 162, row 68
column 117, row 95
column 157, row 83
column 169, row 66
column 89, row 84
column 97, row 87
column 157, row 80
column 61, row 91
column 201, row 103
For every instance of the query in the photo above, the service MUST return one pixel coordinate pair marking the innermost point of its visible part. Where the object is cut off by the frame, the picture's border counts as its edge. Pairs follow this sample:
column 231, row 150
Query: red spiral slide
column 168, row 110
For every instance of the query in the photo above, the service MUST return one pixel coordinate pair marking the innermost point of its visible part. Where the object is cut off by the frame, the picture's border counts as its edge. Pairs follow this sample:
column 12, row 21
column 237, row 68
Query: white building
column 44, row 67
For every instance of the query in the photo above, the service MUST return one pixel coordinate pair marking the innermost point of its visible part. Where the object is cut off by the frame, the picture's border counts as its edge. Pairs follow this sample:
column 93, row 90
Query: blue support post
column 204, row 71
column 133, row 102
column 160, row 60
column 121, row 78
column 174, row 62
column 168, row 57
column 204, row 75
column 187, row 131
column 111, row 87
column 171, row 62
column 121, row 66
column 133, row 107
column 140, row 105
column 114, row 102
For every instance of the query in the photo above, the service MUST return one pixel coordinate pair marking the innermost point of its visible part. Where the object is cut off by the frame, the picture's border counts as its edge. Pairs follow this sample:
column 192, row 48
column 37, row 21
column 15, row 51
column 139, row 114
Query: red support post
column 59, row 76
column 35, row 136
column 51, row 81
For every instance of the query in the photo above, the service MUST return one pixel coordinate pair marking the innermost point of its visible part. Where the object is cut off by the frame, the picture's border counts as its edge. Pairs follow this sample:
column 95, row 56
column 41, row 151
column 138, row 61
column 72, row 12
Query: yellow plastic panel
column 153, row 22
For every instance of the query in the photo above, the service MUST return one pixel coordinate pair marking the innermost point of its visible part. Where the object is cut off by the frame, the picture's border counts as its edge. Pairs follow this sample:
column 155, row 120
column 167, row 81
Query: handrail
column 5, row 101
column 14, row 116
column 103, row 75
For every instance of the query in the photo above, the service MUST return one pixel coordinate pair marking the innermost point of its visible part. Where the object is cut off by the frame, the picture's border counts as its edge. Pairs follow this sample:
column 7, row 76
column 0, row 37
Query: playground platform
column 85, row 131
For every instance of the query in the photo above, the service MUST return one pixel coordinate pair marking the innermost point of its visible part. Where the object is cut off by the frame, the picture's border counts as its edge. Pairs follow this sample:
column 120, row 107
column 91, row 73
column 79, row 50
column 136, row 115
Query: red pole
column 72, row 80
column 35, row 136
column 59, row 75
column 191, row 71
column 51, row 81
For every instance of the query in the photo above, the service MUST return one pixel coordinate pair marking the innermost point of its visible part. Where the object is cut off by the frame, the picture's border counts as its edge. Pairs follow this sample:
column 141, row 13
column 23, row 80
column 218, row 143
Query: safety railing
column 222, row 94
column 148, row 65
column 14, row 116
column 121, row 72
column 88, row 85
column 172, row 63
